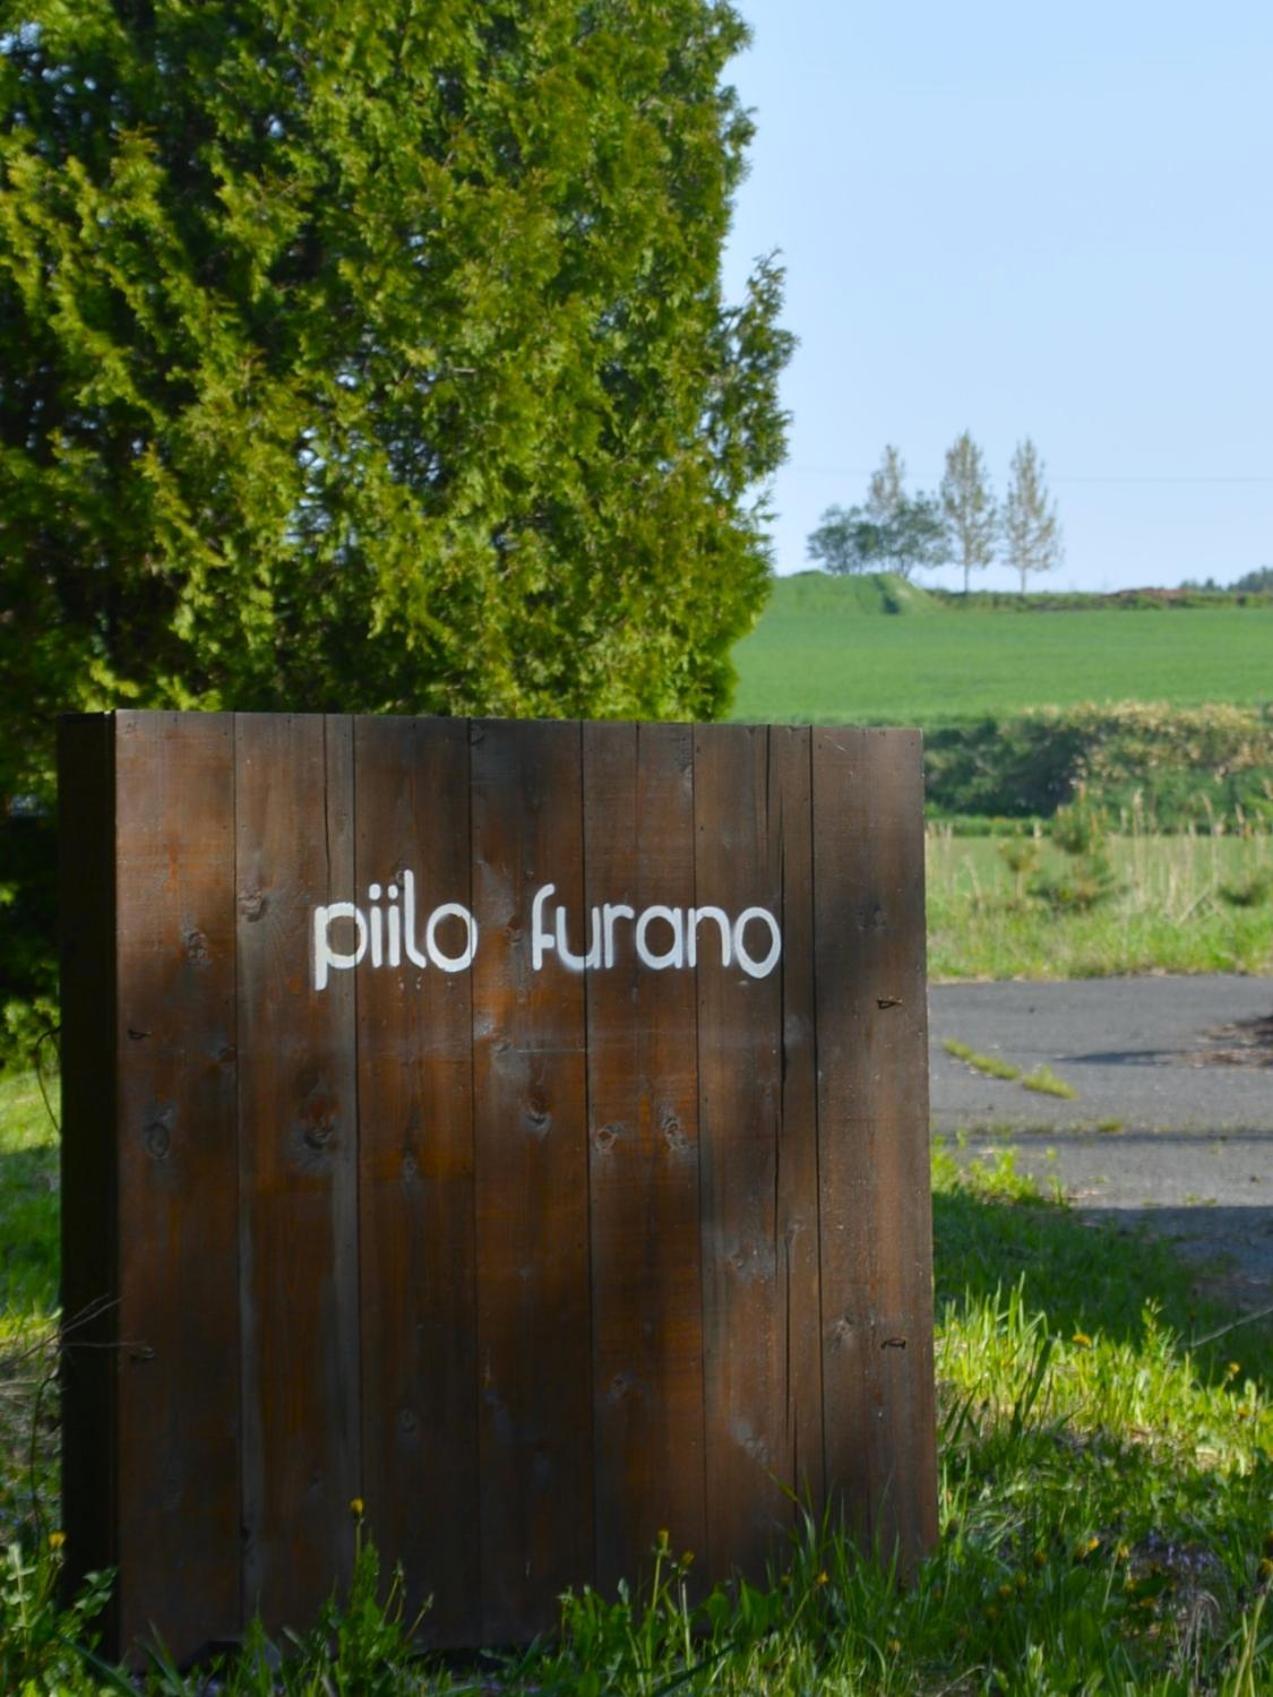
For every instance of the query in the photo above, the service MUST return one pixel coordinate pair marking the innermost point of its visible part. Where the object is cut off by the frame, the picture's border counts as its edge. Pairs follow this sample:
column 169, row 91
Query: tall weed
column 1135, row 902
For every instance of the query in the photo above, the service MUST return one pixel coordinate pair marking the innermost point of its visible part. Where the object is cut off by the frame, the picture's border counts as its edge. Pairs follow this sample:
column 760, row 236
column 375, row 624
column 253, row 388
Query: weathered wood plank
column 643, row 1134
column 179, row 1479
column 790, row 877
column 873, row 1117
column 298, row 1166
column 89, row 1187
column 740, row 1104
column 530, row 1126
column 539, row 1259
column 415, row 1109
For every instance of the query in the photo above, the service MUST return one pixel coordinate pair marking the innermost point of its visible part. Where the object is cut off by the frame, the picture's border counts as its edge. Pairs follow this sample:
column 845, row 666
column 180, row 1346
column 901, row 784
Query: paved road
column 1176, row 1063
column 1133, row 1048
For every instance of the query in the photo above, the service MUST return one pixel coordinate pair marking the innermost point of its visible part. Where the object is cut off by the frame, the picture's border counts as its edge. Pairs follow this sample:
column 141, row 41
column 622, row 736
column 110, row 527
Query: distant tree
column 848, row 540
column 891, row 532
column 1031, row 534
column 911, row 538
column 968, row 507
column 916, row 537
column 1255, row 583
column 887, row 489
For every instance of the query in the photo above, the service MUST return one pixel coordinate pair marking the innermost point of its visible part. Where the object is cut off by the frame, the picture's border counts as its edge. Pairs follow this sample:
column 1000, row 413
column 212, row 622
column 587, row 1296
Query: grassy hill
column 825, row 650
column 815, row 595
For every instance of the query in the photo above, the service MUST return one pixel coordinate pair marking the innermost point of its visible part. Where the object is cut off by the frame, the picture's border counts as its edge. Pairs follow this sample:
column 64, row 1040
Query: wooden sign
column 520, row 1128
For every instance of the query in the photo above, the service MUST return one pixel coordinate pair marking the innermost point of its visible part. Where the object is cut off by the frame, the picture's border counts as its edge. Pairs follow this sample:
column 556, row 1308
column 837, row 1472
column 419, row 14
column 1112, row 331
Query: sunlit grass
column 1172, row 910
column 1106, row 1507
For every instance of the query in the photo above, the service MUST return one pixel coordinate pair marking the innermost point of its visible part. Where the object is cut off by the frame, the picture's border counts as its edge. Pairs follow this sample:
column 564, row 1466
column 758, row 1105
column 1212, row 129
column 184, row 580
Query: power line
column 848, row 471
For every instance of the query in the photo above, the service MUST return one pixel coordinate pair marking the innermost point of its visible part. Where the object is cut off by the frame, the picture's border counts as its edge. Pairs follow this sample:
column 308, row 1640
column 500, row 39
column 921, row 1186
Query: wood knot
column 252, row 905
column 673, row 1132
column 893, row 1343
column 196, row 946
column 157, row 1134
column 318, row 1119
column 888, row 1001
column 319, row 1134
column 605, row 1137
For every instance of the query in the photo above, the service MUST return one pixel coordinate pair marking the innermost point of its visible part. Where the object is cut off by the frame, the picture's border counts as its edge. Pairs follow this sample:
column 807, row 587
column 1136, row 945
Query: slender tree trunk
column 967, row 570
column 1023, row 580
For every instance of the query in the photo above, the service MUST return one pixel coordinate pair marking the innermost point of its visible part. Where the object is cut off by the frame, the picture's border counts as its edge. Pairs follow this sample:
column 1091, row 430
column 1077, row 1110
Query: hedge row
column 1186, row 598
column 1161, row 767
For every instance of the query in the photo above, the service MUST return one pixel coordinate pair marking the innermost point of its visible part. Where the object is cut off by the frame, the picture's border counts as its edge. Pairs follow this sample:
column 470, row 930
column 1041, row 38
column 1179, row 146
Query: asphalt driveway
column 1172, row 1121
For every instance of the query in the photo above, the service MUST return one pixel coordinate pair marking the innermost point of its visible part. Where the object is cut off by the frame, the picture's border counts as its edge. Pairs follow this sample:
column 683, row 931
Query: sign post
column 521, row 1128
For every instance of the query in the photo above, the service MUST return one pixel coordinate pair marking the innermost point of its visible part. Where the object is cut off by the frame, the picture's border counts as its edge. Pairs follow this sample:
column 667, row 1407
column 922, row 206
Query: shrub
column 1160, row 767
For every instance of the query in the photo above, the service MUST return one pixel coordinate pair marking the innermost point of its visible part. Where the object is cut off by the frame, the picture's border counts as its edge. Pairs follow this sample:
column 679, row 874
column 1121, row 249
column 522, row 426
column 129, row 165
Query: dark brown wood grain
column 178, row 1384
column 790, row 879
column 298, row 1119
column 530, row 1121
column 643, row 1136
column 539, row 1260
column 740, row 1107
column 873, row 1118
column 89, row 1179
column 415, row 1110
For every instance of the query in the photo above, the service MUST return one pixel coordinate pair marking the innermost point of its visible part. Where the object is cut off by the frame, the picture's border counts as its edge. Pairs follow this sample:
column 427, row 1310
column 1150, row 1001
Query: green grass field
column 827, row 650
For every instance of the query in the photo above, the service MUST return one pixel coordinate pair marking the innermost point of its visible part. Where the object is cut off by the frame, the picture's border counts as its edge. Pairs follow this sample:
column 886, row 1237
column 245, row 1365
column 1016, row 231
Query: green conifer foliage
column 373, row 355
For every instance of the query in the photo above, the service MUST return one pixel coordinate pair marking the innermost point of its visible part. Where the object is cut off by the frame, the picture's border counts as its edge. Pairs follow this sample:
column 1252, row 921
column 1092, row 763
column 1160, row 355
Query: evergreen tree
column 968, row 507
column 1031, row 534
column 372, row 355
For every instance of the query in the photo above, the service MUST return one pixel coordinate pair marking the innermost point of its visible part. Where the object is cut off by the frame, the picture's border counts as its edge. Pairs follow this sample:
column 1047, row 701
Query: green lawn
column 816, row 655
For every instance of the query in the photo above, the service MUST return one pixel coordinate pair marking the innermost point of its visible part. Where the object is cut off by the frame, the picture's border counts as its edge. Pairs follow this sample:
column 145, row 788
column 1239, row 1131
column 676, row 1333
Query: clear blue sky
column 1026, row 220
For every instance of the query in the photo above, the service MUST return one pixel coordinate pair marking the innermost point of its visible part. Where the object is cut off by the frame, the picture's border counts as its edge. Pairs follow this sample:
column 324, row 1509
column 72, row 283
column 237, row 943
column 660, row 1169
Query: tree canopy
column 1031, row 533
column 972, row 519
column 368, row 356
column 892, row 532
column 911, row 538
column 374, row 356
